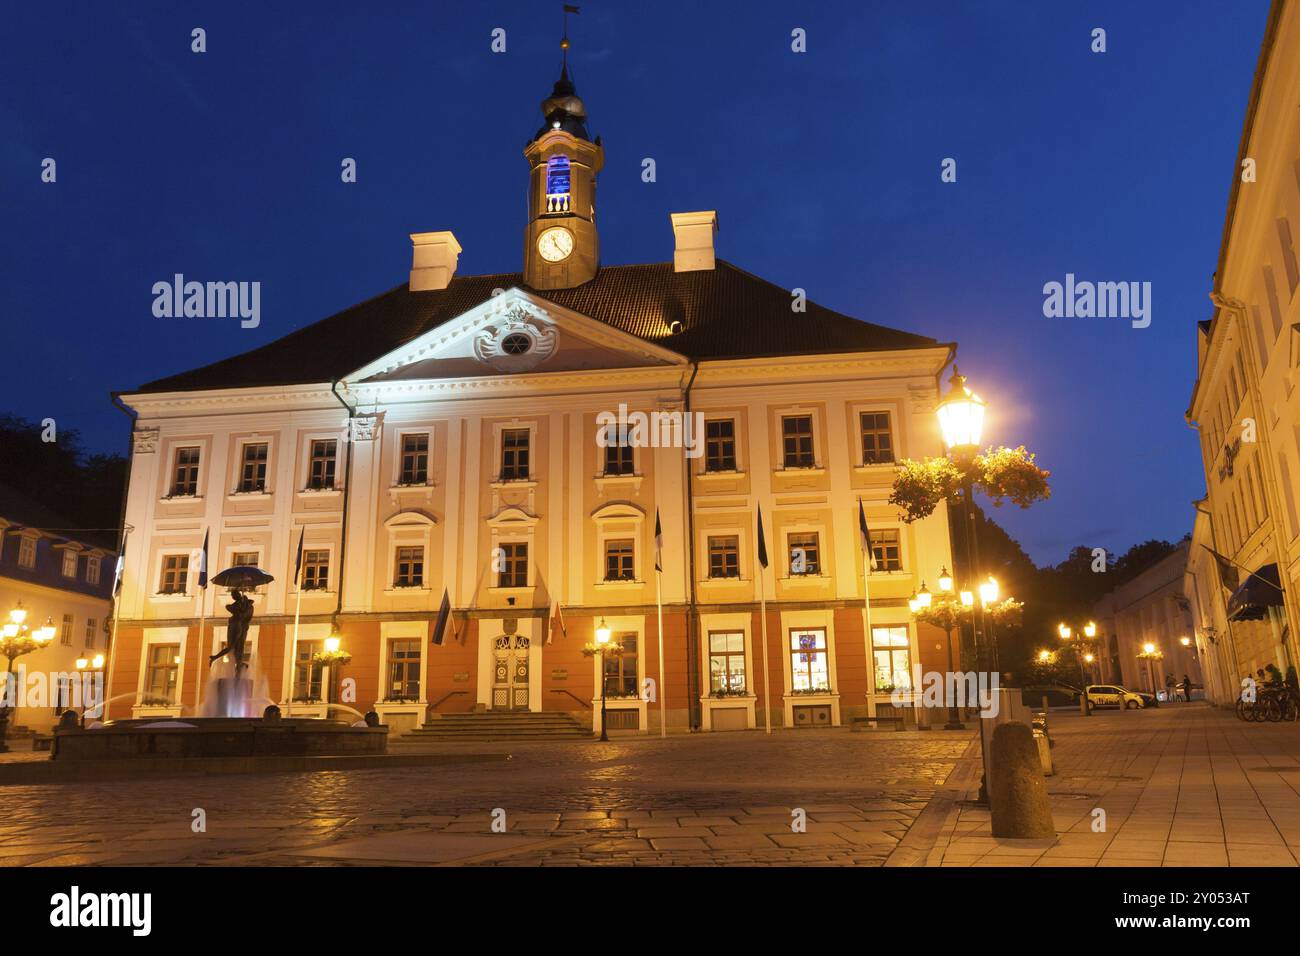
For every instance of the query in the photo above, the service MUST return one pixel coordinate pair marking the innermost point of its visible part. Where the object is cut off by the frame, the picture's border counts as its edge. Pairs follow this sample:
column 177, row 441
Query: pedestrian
column 1169, row 687
column 1187, row 688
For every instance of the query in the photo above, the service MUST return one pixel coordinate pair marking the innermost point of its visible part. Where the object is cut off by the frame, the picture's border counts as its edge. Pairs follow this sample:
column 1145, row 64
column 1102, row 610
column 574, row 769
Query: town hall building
column 484, row 437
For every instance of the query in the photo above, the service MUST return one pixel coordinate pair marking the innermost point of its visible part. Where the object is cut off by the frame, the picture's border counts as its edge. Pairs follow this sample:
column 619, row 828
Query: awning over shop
column 1251, row 601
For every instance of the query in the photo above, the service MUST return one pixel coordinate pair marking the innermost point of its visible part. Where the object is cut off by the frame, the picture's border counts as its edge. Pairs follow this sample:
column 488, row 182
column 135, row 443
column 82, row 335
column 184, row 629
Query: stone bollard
column 1018, row 795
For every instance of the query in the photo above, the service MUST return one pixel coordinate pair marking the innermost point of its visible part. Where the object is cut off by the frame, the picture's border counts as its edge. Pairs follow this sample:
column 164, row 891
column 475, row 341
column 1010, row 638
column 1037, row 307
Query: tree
column 84, row 488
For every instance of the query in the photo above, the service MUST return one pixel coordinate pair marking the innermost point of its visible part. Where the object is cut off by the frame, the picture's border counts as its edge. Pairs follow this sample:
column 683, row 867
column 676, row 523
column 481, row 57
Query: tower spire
column 564, row 42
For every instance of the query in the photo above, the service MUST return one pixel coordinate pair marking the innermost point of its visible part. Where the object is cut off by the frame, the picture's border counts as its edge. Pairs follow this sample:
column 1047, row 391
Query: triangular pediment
column 515, row 333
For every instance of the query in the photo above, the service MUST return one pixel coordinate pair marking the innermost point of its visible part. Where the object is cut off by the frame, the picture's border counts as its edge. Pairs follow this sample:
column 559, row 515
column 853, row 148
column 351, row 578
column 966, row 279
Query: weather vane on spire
column 564, row 43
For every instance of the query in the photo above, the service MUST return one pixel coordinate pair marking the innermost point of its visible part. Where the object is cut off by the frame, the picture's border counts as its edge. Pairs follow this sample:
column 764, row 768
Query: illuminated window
column 808, row 662
column 69, row 564
column 90, row 631
column 805, row 556
column 557, row 184
column 92, row 570
column 404, row 669
column 893, row 658
column 306, row 673
column 315, row 570
column 726, row 662
column 164, row 661
column 65, row 635
column 27, row 552
column 620, row 672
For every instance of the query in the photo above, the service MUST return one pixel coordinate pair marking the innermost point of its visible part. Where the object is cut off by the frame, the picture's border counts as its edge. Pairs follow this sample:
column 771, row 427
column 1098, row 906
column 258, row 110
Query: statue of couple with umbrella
column 240, row 578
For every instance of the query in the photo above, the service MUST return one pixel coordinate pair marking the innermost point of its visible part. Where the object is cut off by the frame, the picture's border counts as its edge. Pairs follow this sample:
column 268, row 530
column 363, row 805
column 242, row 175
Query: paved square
column 1183, row 785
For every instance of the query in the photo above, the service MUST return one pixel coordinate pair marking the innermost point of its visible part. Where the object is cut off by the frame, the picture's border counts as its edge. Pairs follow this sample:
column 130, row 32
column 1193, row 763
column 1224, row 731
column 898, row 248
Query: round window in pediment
column 516, row 344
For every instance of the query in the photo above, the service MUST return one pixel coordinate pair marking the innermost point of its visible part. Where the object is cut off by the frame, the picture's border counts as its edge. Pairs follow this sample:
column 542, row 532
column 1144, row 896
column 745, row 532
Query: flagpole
column 198, row 672
column 866, row 625
column 767, row 698
column 297, row 613
column 117, row 613
column 663, row 702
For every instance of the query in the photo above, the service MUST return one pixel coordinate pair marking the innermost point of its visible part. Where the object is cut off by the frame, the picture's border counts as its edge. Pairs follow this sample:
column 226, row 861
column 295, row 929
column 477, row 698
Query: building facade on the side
column 61, row 579
column 510, row 440
column 1148, row 627
column 1208, row 603
column 1244, row 404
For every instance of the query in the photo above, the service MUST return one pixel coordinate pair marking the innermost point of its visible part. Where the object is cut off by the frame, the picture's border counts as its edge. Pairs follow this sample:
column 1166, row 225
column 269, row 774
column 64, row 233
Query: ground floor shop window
column 403, row 669
column 306, row 673
column 164, row 665
column 892, row 652
column 726, row 663
column 620, row 671
column 809, row 664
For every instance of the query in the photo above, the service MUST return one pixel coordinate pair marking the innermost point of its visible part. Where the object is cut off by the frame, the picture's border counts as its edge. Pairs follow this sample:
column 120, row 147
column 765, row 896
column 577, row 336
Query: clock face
column 555, row 244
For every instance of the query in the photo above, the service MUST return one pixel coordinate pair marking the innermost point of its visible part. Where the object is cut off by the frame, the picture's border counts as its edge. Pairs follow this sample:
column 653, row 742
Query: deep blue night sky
column 824, row 168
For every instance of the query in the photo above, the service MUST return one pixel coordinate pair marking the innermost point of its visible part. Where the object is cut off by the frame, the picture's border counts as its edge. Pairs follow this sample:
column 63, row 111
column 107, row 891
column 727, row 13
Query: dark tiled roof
column 724, row 313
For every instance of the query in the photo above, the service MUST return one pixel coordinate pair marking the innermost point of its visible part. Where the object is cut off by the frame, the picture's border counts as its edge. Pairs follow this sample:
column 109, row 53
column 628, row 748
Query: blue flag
column 762, row 541
column 297, row 562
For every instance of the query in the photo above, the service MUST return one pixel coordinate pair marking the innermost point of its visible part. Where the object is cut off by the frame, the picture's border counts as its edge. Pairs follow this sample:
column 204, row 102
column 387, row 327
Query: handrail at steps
column 584, row 703
column 445, row 696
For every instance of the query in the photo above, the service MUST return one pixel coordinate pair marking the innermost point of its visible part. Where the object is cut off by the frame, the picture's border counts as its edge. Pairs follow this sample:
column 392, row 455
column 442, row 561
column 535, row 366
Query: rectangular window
column 306, row 673
column 252, row 476
column 619, row 560
column 726, row 662
column 797, row 441
column 805, row 556
column 886, row 551
column 809, row 666
column 514, row 565
column 404, row 669
column 244, row 559
column 175, row 574
column 26, row 552
column 415, row 460
column 69, row 564
column 877, row 440
column 893, row 659
column 410, row 568
column 92, row 570
column 724, row 557
column 164, row 663
column 185, row 475
column 90, row 631
column 720, row 445
column 618, row 453
column 514, row 454
column 315, row 570
column 65, row 635
column 620, row 672
column 323, row 455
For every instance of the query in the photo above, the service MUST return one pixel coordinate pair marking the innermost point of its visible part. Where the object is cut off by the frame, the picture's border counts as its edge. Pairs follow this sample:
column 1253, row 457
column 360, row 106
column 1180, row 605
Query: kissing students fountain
column 227, row 726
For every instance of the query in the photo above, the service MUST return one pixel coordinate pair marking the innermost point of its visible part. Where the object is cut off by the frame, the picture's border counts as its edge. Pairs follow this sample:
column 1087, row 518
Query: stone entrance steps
column 498, row 725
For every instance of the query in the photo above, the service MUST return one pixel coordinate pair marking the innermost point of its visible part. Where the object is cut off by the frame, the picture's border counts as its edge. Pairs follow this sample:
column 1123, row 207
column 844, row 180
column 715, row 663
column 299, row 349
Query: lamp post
column 1083, row 654
column 16, row 639
column 1151, row 653
column 961, row 420
column 333, row 657
column 602, row 642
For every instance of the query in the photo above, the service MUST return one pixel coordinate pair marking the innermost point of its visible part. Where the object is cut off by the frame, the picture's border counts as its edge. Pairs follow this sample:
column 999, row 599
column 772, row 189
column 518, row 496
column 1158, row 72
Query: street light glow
column 989, row 590
column 602, row 632
column 961, row 414
column 945, row 581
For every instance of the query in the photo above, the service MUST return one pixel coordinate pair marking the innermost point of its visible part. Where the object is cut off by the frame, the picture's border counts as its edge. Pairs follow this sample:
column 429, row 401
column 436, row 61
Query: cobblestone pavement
column 711, row 799
column 1182, row 785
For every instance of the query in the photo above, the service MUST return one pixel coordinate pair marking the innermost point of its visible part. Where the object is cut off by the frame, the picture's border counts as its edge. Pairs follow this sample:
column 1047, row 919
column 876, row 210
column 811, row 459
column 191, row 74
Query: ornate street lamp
column 16, row 640
column 333, row 657
column 602, row 642
column 1082, row 652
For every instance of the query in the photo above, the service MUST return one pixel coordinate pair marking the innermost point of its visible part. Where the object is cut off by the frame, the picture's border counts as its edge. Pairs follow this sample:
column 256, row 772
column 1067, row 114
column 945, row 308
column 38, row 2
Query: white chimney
column 694, row 232
column 433, row 260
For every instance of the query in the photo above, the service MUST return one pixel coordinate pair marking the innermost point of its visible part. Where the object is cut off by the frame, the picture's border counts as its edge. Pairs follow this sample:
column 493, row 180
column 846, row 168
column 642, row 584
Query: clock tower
column 561, row 249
